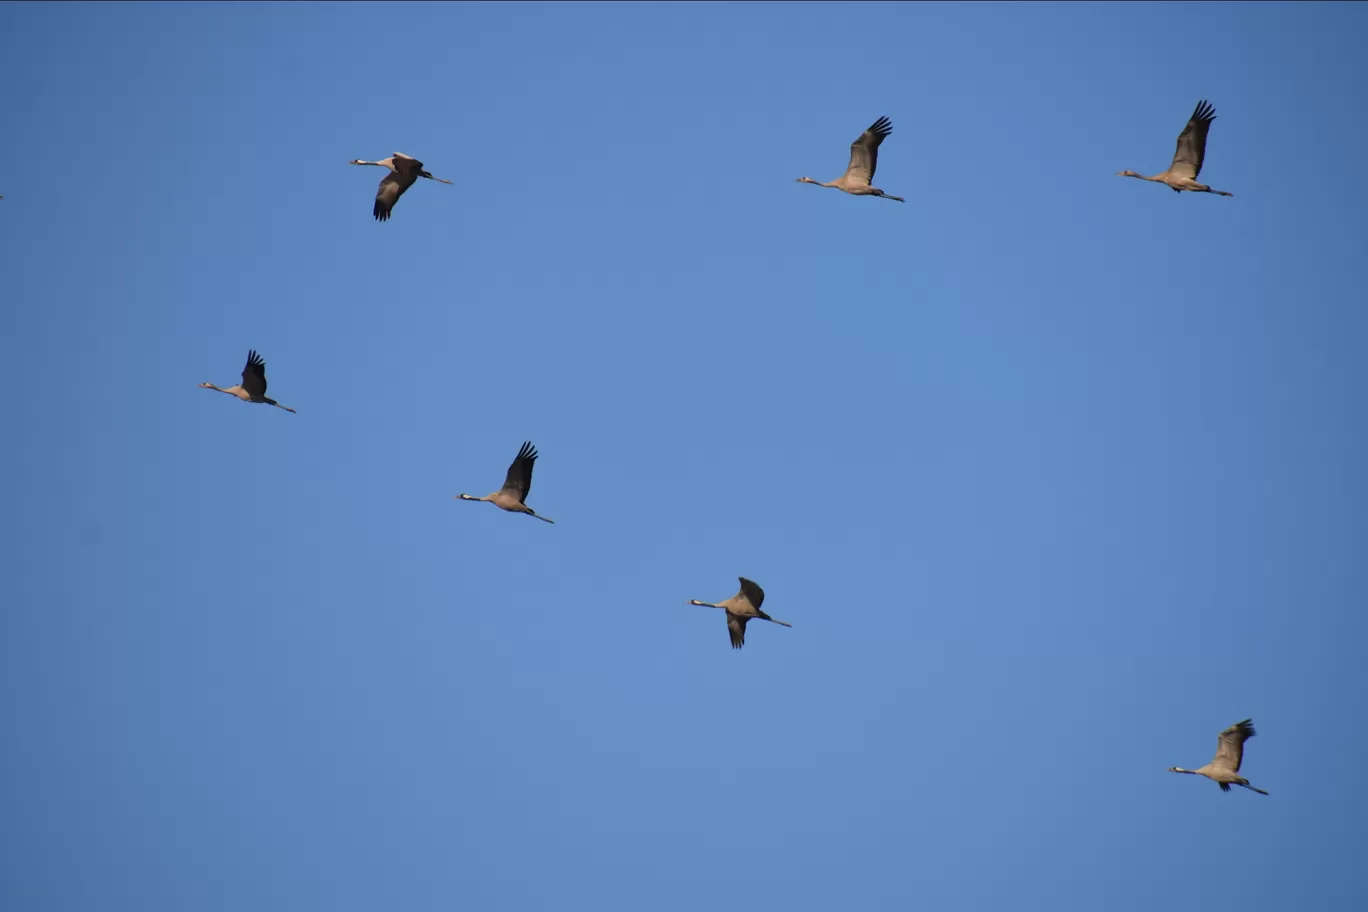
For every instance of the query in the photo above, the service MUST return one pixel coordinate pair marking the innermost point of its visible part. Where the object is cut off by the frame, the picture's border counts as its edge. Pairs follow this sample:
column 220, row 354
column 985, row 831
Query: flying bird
column 1187, row 158
column 517, row 485
column 404, row 171
column 741, row 608
column 1224, row 768
column 864, row 158
column 253, row 387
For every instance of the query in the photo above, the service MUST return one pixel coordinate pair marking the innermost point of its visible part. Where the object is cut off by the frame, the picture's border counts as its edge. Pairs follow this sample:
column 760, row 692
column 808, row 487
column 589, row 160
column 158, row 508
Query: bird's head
column 804, row 180
column 1126, row 174
column 206, row 385
column 357, row 161
column 1176, row 769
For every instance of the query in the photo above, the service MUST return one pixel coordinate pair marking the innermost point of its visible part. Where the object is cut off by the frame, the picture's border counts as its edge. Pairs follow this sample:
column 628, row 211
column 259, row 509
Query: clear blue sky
column 1056, row 474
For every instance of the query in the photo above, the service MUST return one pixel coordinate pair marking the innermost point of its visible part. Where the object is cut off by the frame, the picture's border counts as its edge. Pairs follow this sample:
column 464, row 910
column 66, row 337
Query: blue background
column 1056, row 474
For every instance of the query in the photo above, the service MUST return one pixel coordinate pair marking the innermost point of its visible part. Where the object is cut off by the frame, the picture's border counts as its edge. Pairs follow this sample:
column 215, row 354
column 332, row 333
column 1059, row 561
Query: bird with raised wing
column 517, row 485
column 864, row 159
column 1224, row 769
column 741, row 608
column 404, row 171
column 1188, row 157
column 253, row 387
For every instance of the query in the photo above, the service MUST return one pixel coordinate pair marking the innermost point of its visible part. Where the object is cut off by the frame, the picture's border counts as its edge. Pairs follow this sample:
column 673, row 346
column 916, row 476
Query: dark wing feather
column 392, row 186
column 254, row 376
column 1187, row 158
column 1230, row 745
column 864, row 152
column 736, row 629
column 753, row 593
column 519, row 478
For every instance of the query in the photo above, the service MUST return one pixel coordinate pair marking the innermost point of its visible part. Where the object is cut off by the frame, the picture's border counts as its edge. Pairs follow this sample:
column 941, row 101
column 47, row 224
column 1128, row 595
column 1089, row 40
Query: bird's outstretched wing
column 736, row 629
column 1187, row 158
column 254, row 376
column 864, row 153
column 753, row 593
column 1230, row 745
column 392, row 186
column 519, row 478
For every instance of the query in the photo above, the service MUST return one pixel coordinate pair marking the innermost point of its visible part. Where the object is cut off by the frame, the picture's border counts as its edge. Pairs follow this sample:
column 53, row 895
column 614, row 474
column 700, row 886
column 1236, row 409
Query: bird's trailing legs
column 1187, row 184
column 1193, row 186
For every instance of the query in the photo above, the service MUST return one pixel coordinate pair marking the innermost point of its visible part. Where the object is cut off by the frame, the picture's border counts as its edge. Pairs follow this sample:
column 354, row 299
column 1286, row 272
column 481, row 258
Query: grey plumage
column 1224, row 768
column 404, row 171
column 1188, row 156
column 253, row 386
column 517, row 485
column 741, row 608
column 864, row 161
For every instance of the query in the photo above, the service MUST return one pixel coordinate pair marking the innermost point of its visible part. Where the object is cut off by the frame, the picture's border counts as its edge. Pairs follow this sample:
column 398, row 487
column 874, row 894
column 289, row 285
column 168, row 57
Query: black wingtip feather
column 751, row 590
column 1204, row 111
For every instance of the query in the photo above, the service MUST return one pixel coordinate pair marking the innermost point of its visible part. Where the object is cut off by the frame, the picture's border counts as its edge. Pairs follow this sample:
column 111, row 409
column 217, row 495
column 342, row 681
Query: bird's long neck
column 1179, row 769
column 212, row 387
column 703, row 604
column 470, row 497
